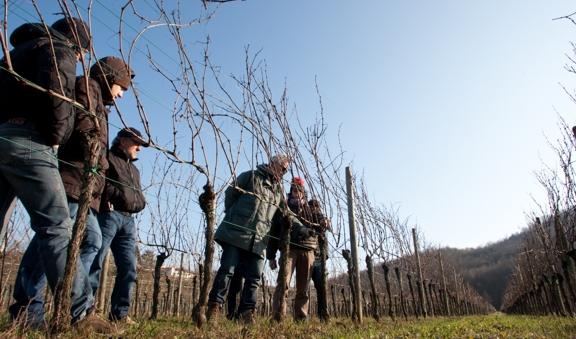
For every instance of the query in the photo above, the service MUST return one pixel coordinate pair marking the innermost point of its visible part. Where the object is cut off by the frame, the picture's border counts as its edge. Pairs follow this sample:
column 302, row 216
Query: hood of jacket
column 61, row 30
column 28, row 32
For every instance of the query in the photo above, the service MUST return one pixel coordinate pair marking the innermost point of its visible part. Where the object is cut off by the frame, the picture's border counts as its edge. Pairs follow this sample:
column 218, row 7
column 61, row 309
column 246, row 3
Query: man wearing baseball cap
column 122, row 198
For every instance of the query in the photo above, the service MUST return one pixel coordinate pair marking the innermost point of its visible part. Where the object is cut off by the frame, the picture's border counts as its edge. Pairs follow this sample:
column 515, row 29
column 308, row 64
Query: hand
column 273, row 265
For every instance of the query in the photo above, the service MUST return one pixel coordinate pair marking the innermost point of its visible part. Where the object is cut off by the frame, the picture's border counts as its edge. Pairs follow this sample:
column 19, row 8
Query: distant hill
column 487, row 268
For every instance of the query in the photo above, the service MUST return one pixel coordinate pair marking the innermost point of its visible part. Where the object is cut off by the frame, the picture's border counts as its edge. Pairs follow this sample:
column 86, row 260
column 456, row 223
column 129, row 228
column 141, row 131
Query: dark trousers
column 235, row 288
column 319, row 286
column 118, row 235
column 251, row 266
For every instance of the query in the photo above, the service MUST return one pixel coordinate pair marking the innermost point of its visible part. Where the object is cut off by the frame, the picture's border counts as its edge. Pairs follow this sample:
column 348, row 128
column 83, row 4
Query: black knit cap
column 68, row 26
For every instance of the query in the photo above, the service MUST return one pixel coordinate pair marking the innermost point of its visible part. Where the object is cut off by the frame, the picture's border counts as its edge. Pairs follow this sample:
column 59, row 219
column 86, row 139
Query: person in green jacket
column 249, row 205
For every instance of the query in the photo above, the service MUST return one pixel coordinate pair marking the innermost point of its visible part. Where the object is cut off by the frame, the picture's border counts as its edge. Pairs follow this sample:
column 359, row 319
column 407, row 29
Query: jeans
column 30, row 285
column 318, row 280
column 250, row 265
column 118, row 235
column 231, row 299
column 29, row 171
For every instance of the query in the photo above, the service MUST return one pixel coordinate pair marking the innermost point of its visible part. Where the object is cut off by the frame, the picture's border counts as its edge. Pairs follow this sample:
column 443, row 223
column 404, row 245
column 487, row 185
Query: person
column 33, row 124
column 249, row 205
column 108, row 79
column 321, row 225
column 303, row 242
column 122, row 198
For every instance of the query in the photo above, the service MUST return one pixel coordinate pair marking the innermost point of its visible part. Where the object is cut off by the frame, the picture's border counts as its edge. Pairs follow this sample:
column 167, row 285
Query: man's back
column 47, row 60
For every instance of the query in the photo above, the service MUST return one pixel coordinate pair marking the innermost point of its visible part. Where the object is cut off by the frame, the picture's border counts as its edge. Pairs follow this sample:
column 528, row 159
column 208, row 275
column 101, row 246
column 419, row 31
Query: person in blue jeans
column 108, row 79
column 250, row 204
column 33, row 125
column 122, row 198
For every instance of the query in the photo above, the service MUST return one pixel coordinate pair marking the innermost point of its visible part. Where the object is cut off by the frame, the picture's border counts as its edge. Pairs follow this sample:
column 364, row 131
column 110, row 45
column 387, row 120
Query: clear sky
column 445, row 106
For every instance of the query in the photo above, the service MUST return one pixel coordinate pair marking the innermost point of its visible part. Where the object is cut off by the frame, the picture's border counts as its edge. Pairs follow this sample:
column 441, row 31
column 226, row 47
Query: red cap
column 298, row 181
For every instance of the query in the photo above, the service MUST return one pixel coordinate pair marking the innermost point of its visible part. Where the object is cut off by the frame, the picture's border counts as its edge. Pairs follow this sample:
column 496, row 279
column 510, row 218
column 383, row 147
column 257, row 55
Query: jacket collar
column 264, row 171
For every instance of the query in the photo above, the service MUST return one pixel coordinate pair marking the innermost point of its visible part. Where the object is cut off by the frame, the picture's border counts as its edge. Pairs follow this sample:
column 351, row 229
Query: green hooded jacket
column 249, row 205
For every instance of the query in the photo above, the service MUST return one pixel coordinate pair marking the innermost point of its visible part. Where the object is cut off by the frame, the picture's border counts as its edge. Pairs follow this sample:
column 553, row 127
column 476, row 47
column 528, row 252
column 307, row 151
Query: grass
column 490, row 326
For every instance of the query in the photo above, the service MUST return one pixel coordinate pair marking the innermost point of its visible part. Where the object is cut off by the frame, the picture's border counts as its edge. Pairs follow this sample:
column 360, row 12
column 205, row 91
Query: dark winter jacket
column 250, row 204
column 53, row 68
column 122, row 188
column 74, row 152
column 303, row 234
column 321, row 224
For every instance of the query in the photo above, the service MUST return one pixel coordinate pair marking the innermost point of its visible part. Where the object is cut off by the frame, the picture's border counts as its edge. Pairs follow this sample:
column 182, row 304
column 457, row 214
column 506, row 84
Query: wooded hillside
column 487, row 268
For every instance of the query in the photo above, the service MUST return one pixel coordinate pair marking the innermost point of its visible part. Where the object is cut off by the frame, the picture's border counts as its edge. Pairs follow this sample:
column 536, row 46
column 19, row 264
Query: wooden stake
column 353, row 246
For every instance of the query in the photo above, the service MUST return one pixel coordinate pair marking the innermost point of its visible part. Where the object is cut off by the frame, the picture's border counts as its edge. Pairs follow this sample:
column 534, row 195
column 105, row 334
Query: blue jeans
column 31, row 279
column 118, row 235
column 250, row 265
column 29, row 171
column 233, row 290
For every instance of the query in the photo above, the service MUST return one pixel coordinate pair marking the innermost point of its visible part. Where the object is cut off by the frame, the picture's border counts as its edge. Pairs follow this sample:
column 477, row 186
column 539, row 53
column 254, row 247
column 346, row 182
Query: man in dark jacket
column 33, row 124
column 303, row 242
column 108, row 78
column 122, row 198
column 249, row 204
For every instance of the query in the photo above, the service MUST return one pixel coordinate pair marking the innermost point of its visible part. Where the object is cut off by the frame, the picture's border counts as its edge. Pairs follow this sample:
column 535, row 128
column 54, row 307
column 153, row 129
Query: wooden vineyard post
column 357, row 316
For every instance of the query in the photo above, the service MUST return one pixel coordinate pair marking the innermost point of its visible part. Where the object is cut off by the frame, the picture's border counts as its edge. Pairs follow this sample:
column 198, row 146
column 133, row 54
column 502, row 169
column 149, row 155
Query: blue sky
column 444, row 106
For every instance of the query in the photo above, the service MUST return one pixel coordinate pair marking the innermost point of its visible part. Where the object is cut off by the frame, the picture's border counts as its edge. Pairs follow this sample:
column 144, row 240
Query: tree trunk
column 389, row 292
column 323, row 244
column 61, row 317
column 414, row 304
column 283, row 270
column 351, row 282
column 194, row 283
column 428, row 298
column 207, row 202
column 373, row 295
column 333, row 293
column 402, row 303
column 160, row 258
column 137, row 298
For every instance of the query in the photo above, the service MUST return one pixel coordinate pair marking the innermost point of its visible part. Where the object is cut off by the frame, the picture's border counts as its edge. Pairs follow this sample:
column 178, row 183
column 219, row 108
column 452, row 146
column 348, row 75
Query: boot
column 247, row 317
column 213, row 311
